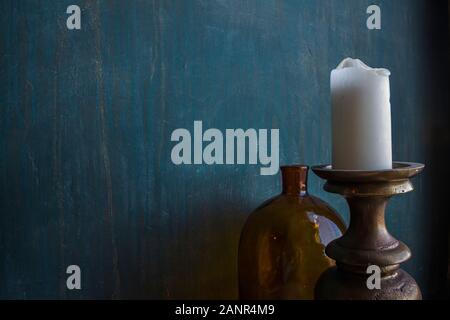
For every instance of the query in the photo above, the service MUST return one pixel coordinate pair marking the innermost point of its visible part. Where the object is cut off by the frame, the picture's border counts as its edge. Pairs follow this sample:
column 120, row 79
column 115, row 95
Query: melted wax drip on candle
column 356, row 63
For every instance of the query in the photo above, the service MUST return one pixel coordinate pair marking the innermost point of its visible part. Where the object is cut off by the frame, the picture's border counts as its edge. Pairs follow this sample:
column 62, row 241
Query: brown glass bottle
column 282, row 245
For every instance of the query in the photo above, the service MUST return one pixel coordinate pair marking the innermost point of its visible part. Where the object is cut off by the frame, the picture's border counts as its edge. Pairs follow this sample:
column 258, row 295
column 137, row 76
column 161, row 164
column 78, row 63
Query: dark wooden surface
column 86, row 118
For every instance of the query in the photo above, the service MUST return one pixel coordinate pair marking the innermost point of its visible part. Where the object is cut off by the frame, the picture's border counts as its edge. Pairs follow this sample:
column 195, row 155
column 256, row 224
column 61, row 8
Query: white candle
column 361, row 117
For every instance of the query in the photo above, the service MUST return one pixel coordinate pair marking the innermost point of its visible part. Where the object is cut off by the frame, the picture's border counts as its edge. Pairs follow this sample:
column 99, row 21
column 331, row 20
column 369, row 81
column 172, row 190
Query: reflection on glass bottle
column 282, row 245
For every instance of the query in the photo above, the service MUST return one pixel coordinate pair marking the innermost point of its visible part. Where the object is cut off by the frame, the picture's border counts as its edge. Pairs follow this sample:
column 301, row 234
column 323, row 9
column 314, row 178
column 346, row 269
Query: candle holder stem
column 367, row 241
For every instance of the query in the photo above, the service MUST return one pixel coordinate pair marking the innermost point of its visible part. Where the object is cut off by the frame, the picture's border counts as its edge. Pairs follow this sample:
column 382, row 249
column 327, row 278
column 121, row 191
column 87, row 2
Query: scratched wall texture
column 86, row 118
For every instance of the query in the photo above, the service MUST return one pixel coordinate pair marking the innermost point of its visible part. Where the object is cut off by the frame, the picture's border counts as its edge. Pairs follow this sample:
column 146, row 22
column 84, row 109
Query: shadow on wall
column 437, row 141
column 192, row 260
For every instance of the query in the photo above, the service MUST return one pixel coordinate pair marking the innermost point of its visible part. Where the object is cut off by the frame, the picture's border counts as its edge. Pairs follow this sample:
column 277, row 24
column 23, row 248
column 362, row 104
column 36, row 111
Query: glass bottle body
column 282, row 245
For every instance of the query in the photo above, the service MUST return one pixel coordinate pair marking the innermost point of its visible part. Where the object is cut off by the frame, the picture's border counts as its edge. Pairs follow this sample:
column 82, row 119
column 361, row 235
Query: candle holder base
column 335, row 284
column 367, row 241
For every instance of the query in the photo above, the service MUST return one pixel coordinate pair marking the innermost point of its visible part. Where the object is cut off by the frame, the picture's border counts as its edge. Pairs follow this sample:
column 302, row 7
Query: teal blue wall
column 86, row 118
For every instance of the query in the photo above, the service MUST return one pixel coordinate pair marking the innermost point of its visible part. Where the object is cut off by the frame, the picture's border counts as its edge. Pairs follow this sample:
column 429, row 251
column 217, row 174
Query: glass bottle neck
column 294, row 179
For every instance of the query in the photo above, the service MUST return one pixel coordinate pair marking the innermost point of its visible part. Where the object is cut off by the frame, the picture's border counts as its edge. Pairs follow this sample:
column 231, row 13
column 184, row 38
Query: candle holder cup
column 367, row 241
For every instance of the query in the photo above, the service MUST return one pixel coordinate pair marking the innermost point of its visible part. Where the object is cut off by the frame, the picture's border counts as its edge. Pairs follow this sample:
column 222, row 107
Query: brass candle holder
column 367, row 241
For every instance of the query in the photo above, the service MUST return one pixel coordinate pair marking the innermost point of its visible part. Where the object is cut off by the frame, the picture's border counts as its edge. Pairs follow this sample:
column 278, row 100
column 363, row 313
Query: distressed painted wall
column 86, row 118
